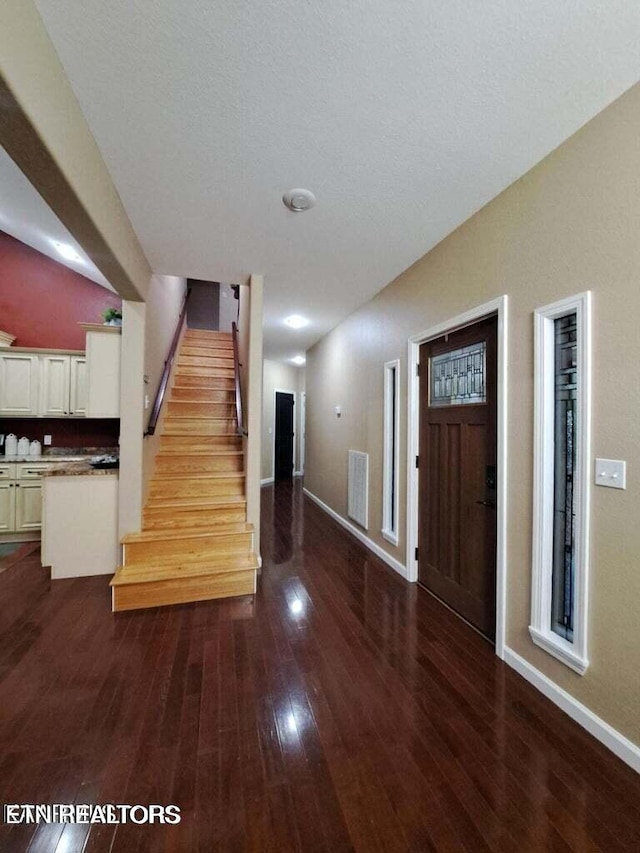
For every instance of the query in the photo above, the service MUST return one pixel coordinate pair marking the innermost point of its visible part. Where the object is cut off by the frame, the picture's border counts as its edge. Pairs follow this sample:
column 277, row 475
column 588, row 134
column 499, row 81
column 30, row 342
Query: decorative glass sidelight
column 562, row 376
column 564, row 505
column 458, row 378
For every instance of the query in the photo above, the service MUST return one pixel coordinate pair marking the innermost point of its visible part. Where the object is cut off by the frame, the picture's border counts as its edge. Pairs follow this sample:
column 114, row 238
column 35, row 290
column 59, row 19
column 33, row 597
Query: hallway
column 342, row 709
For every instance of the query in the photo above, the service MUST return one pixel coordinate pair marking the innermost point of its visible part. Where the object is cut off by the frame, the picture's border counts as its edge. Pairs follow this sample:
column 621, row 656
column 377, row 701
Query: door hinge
column 417, row 370
column 417, row 461
column 415, row 556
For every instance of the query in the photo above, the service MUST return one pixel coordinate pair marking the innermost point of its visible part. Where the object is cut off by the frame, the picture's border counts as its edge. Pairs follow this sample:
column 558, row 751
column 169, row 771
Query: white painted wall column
column 131, row 417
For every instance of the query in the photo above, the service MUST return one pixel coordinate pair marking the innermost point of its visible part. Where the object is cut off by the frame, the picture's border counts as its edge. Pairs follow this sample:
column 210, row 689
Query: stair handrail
column 236, row 370
column 166, row 371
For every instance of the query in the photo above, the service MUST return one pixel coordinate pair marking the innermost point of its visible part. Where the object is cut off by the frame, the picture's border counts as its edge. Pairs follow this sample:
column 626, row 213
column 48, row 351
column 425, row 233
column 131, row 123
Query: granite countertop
column 79, row 469
column 69, row 462
column 76, row 457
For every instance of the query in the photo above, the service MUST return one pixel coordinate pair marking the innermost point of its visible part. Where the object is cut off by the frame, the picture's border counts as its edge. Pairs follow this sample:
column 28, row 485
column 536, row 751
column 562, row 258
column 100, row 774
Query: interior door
column 283, row 463
column 457, row 471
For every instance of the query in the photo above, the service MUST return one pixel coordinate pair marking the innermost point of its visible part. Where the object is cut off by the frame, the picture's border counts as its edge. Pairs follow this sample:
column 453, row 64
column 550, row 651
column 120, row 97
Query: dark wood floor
column 342, row 709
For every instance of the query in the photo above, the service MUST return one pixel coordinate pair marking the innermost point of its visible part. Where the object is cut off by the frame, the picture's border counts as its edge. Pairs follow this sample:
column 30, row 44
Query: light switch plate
column 47, row 440
column 611, row 473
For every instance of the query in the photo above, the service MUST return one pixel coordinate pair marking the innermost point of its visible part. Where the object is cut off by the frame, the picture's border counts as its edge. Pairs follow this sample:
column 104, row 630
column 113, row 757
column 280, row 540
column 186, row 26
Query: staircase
column 195, row 542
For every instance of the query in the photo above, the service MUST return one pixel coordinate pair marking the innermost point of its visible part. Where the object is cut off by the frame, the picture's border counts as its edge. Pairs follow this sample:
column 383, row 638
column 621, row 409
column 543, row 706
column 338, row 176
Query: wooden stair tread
column 216, row 557
column 202, row 401
column 215, row 502
column 187, row 533
column 207, row 333
column 194, row 432
column 189, row 416
column 176, row 454
column 148, row 572
column 207, row 475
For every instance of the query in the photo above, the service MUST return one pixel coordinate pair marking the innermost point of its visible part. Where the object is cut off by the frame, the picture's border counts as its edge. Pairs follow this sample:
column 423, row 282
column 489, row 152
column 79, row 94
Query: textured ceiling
column 403, row 116
column 26, row 216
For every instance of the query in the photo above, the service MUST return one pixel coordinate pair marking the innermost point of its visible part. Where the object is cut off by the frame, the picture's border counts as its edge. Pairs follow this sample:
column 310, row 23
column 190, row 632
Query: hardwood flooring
column 340, row 709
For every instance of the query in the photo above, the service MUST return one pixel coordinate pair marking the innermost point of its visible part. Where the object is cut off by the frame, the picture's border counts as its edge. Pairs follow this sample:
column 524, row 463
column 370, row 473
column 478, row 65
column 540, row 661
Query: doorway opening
column 284, row 434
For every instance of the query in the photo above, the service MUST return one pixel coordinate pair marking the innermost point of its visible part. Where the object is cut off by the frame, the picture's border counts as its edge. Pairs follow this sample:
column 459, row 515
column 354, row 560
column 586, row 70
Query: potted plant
column 112, row 317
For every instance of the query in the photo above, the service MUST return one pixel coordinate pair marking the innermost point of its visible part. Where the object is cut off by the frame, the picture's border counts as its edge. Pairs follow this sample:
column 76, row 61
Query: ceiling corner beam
column 43, row 130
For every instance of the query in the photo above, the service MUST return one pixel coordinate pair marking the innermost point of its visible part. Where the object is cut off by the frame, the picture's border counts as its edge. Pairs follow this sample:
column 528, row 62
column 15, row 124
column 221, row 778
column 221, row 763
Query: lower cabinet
column 21, row 497
column 28, row 506
column 7, row 507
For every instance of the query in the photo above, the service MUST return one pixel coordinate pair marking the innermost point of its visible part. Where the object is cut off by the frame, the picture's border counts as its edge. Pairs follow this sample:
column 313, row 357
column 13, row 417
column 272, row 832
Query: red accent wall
column 42, row 301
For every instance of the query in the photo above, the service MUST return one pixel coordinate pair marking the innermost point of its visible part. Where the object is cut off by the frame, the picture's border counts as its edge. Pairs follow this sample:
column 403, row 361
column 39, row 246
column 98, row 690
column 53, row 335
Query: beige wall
column 569, row 225
column 281, row 377
column 165, row 299
column 131, row 417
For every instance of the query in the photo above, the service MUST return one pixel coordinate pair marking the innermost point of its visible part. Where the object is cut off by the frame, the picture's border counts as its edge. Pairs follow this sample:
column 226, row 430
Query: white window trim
column 391, row 452
column 574, row 654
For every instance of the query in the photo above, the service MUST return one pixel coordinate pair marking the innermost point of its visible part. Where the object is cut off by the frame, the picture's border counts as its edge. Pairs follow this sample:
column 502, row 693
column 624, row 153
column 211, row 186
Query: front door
column 284, row 437
column 457, row 471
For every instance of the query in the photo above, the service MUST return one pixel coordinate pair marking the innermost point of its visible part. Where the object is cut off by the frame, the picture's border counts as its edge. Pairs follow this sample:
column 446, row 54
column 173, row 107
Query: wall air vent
column 358, row 488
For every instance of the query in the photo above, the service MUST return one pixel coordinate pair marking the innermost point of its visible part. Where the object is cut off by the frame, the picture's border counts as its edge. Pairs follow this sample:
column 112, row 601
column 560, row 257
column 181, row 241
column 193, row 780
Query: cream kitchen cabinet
column 78, row 390
column 21, row 497
column 36, row 383
column 63, row 385
column 7, row 498
column 103, row 370
column 19, row 384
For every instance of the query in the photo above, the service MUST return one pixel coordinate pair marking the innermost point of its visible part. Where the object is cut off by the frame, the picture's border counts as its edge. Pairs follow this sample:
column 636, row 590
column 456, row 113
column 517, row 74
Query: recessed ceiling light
column 299, row 359
column 66, row 251
column 298, row 200
column 295, row 321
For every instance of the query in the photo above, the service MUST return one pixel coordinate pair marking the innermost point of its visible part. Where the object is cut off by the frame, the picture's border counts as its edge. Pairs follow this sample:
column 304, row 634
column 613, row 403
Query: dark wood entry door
column 457, row 471
column 283, row 464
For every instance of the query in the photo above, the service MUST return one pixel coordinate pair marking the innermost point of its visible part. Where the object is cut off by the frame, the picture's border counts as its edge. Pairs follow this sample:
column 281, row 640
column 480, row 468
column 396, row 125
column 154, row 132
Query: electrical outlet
column 47, row 439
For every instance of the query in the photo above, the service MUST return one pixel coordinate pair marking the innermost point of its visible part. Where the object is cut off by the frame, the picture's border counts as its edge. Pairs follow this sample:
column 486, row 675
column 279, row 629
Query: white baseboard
column 267, row 481
column 621, row 746
column 396, row 565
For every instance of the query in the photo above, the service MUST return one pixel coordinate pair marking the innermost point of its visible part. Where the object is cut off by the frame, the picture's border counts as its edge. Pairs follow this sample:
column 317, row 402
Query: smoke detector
column 298, row 200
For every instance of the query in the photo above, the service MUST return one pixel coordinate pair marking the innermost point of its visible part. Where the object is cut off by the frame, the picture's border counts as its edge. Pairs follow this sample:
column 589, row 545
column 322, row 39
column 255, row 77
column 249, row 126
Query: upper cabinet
column 42, row 384
column 103, row 370
column 78, row 390
column 54, row 385
column 48, row 384
column 62, row 385
column 19, row 383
